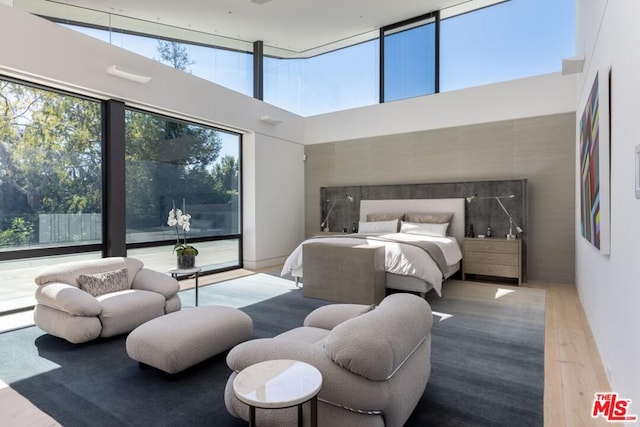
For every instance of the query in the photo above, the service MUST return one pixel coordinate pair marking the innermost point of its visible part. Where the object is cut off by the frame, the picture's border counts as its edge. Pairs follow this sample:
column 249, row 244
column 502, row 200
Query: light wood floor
column 573, row 369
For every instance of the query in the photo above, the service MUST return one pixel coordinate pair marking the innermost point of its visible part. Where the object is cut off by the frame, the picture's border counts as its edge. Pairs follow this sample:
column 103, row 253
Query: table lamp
column 512, row 222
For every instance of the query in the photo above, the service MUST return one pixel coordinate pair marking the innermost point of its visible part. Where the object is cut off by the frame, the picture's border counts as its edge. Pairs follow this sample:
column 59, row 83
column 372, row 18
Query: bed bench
column 344, row 273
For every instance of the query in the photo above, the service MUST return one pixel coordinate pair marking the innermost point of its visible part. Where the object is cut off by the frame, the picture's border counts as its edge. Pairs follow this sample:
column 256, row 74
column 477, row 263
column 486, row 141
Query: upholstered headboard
column 457, row 206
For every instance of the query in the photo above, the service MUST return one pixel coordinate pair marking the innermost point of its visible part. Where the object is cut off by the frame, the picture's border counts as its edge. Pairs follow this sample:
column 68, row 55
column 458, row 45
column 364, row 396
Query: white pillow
column 424, row 228
column 378, row 226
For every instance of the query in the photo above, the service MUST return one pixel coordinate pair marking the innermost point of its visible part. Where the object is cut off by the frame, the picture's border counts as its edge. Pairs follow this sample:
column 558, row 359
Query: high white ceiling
column 295, row 25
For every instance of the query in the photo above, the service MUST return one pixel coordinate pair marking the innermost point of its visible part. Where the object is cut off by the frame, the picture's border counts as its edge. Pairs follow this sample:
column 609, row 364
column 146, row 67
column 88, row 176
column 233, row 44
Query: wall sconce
column 270, row 120
column 324, row 226
column 115, row 71
column 512, row 222
column 572, row 65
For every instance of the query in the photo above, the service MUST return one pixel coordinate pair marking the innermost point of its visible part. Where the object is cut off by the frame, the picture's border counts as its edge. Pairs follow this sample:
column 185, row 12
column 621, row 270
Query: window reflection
column 173, row 162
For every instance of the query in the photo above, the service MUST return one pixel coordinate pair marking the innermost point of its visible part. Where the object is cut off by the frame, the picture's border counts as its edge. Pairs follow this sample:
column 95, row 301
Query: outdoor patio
column 17, row 284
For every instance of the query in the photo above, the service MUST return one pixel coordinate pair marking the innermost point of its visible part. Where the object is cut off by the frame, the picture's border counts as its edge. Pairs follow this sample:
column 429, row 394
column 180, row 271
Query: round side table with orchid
column 186, row 253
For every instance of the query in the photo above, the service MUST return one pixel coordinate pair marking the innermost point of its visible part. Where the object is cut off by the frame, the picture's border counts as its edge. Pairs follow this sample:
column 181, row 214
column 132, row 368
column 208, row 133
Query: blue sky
column 514, row 39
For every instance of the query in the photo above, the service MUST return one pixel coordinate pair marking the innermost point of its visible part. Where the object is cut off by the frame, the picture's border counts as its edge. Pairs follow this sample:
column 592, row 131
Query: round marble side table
column 276, row 384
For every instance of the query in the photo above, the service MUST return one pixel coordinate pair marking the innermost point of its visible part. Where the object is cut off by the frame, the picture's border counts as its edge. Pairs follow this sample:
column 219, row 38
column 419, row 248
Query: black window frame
column 114, row 189
column 410, row 24
column 169, row 242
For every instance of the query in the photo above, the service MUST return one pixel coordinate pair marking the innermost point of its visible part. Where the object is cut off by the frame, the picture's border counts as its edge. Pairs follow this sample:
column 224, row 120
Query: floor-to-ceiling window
column 195, row 168
column 50, row 183
column 54, row 199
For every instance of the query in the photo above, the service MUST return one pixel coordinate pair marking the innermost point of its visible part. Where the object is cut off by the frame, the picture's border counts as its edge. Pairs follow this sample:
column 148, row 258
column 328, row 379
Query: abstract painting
column 594, row 165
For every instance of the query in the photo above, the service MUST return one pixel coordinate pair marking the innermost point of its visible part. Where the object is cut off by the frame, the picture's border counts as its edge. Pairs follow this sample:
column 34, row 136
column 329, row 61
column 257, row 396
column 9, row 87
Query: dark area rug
column 487, row 362
column 487, row 357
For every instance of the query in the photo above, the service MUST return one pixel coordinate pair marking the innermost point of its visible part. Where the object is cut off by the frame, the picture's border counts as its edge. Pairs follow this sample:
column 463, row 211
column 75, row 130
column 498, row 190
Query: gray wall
column 540, row 149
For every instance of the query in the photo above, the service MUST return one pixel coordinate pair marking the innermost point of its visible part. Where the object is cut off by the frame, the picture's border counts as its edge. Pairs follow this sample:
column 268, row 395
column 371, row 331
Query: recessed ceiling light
column 260, row 1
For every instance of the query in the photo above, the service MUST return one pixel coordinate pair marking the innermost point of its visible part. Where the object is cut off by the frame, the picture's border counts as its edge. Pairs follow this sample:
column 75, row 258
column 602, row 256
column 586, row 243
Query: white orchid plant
column 179, row 218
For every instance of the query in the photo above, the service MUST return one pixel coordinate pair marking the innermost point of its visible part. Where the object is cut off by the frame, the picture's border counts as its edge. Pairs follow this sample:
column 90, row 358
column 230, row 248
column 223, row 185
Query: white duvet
column 400, row 259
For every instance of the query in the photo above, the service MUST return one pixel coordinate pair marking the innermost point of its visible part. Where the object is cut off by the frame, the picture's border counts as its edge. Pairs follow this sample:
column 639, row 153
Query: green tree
column 50, row 149
column 225, row 176
column 50, row 158
column 20, row 233
column 175, row 54
column 166, row 160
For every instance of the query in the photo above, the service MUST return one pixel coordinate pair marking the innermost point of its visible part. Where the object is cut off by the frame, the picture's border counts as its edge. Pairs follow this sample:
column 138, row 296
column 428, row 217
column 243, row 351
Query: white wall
column 273, row 215
column 523, row 98
column 609, row 286
column 38, row 50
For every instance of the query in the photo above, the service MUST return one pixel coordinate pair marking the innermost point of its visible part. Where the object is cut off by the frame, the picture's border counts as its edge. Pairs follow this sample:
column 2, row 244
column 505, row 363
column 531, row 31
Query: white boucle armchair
column 83, row 300
column 375, row 363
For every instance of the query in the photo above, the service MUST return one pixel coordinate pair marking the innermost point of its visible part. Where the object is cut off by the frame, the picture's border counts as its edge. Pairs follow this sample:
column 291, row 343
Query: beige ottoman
column 184, row 338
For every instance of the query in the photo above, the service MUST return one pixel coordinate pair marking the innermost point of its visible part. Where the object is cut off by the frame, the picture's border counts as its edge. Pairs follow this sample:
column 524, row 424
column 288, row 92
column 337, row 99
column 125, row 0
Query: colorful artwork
column 594, row 154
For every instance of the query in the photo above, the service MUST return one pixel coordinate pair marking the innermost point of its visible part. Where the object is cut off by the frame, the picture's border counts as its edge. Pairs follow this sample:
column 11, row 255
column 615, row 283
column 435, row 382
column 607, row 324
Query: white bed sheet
column 401, row 259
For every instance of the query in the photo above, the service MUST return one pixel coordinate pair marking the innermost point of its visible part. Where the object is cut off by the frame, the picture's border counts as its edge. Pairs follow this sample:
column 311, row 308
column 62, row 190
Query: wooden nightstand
column 493, row 257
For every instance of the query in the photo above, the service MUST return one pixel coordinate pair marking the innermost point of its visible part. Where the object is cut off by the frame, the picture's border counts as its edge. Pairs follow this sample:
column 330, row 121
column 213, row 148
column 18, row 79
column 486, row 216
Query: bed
column 408, row 265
